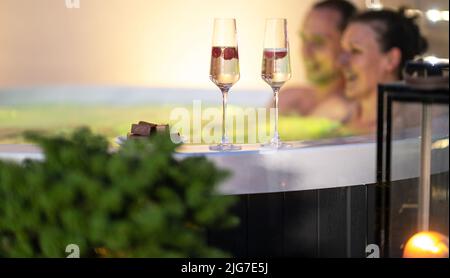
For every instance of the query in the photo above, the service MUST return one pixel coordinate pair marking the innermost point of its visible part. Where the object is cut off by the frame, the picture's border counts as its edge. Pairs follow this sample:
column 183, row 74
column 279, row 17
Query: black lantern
column 413, row 118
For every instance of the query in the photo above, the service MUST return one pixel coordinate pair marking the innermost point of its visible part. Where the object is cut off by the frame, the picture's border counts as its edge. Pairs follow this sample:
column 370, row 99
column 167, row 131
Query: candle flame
column 426, row 245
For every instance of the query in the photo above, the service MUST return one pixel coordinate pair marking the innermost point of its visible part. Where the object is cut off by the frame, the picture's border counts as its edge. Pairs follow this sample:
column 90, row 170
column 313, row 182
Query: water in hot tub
column 111, row 111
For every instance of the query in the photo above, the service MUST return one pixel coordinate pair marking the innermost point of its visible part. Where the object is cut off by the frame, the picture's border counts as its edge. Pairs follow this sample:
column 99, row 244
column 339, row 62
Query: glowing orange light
column 426, row 245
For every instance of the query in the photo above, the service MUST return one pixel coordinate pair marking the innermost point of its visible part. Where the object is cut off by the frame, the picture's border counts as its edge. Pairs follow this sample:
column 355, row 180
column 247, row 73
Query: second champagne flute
column 224, row 70
column 276, row 68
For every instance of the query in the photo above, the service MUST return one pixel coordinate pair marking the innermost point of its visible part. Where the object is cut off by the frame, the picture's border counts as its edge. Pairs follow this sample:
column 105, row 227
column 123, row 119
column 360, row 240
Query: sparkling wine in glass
column 224, row 70
column 276, row 68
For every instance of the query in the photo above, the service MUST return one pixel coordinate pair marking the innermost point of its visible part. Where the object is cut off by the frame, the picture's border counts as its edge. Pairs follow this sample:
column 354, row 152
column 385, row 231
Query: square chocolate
column 162, row 128
column 135, row 136
column 141, row 129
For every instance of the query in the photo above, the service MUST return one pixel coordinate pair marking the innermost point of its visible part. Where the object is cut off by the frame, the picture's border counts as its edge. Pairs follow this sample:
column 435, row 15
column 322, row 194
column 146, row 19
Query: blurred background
column 108, row 54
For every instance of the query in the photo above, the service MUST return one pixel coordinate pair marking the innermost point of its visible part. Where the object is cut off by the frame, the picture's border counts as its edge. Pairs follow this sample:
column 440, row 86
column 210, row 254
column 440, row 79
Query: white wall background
column 139, row 42
column 133, row 42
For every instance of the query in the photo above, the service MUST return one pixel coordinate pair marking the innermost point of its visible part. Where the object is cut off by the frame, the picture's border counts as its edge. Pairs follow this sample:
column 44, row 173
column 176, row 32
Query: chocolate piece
column 146, row 123
column 141, row 129
column 145, row 129
column 135, row 136
column 162, row 128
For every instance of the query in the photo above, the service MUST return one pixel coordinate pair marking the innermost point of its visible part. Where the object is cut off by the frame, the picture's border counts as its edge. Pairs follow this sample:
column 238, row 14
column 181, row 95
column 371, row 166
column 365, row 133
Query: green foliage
column 138, row 201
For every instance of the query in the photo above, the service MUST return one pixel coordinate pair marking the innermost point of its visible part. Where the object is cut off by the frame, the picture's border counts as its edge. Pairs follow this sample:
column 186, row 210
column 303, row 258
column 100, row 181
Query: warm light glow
column 413, row 13
column 435, row 60
column 434, row 15
column 374, row 4
column 426, row 245
column 440, row 144
column 444, row 15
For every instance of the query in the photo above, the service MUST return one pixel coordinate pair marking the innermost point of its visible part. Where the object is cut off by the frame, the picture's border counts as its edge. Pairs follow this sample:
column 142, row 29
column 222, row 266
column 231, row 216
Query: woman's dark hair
column 346, row 9
column 395, row 29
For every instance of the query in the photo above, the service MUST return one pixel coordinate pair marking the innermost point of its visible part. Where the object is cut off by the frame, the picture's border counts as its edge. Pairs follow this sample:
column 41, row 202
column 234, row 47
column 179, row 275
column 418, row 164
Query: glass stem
column 276, row 136
column 224, row 116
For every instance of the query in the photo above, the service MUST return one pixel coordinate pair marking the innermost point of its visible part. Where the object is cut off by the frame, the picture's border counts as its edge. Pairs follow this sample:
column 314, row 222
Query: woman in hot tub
column 376, row 46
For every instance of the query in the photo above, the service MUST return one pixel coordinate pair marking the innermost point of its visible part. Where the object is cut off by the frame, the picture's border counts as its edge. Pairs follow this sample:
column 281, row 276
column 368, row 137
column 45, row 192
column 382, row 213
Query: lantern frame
column 387, row 95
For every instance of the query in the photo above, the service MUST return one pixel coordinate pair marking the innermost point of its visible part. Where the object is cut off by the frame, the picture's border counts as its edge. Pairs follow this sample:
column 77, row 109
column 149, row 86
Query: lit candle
column 426, row 245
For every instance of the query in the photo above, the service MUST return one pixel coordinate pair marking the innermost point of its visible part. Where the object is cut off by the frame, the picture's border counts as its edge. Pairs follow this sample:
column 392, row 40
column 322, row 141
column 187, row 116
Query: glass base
column 225, row 148
column 275, row 145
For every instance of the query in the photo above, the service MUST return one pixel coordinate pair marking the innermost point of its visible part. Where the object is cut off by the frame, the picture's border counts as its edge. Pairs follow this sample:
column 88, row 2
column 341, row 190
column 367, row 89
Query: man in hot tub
column 321, row 35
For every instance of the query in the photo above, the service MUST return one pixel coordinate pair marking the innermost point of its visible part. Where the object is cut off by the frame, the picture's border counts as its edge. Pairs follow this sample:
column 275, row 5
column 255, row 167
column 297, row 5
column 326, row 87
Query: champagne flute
column 276, row 68
column 224, row 70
